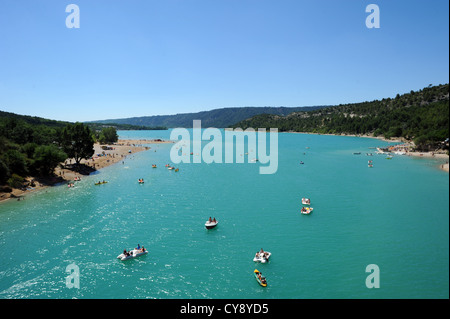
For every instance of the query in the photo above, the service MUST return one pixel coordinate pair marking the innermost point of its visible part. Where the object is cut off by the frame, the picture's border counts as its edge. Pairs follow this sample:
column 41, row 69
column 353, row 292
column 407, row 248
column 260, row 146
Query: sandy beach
column 104, row 155
column 440, row 156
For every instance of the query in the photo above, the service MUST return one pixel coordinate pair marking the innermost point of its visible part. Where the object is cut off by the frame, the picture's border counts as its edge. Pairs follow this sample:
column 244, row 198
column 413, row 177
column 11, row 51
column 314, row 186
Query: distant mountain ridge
column 219, row 118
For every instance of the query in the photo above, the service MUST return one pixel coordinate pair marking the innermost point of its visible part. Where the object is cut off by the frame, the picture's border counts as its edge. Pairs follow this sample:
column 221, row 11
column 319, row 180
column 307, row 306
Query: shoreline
column 432, row 155
column 397, row 140
column 64, row 173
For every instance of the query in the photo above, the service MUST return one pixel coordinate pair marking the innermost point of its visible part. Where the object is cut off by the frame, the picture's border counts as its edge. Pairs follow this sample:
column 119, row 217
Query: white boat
column 306, row 210
column 306, row 201
column 132, row 254
column 262, row 257
column 211, row 224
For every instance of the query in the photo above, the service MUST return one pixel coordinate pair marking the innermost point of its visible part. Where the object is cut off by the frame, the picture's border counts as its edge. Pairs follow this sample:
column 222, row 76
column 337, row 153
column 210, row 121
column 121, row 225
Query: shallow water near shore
column 394, row 215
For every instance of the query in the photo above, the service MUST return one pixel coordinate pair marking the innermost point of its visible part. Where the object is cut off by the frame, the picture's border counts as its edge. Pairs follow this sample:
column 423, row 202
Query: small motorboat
column 132, row 254
column 262, row 257
column 306, row 210
column 306, row 201
column 259, row 278
column 210, row 224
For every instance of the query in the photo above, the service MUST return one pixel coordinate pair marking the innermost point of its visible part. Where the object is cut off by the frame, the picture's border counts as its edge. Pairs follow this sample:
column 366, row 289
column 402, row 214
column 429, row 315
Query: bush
column 15, row 181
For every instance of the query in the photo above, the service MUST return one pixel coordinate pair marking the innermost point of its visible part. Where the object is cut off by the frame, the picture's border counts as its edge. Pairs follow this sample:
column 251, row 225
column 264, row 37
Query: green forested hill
column 215, row 118
column 422, row 116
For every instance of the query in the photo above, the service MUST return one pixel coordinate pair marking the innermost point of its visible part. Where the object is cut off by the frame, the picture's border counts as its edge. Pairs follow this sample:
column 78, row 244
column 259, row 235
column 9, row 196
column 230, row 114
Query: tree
column 46, row 158
column 4, row 172
column 77, row 142
column 108, row 135
column 16, row 162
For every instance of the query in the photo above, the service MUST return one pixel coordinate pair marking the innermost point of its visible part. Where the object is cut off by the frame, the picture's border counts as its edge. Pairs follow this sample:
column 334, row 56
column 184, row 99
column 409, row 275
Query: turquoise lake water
column 394, row 215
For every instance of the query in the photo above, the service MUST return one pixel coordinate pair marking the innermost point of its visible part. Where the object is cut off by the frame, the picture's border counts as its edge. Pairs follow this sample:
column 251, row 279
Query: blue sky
column 152, row 57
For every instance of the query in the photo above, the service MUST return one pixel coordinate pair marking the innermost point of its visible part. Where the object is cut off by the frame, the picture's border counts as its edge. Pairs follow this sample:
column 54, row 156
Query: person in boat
column 143, row 249
column 210, row 220
column 138, row 247
column 214, row 220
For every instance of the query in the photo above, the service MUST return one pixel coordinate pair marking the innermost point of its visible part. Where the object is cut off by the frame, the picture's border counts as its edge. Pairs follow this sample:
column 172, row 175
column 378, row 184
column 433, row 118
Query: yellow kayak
column 259, row 278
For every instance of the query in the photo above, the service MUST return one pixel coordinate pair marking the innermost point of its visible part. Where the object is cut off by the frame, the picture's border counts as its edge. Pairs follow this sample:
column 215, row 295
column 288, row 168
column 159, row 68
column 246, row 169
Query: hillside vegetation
column 421, row 116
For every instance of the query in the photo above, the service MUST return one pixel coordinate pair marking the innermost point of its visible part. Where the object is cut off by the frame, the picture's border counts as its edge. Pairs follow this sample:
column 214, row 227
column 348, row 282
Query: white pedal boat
column 210, row 225
column 306, row 210
column 262, row 257
column 133, row 254
column 306, row 201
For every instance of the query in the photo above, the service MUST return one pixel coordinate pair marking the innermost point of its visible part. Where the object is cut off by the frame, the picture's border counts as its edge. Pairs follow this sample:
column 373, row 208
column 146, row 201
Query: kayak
column 133, row 254
column 261, row 281
column 101, row 183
